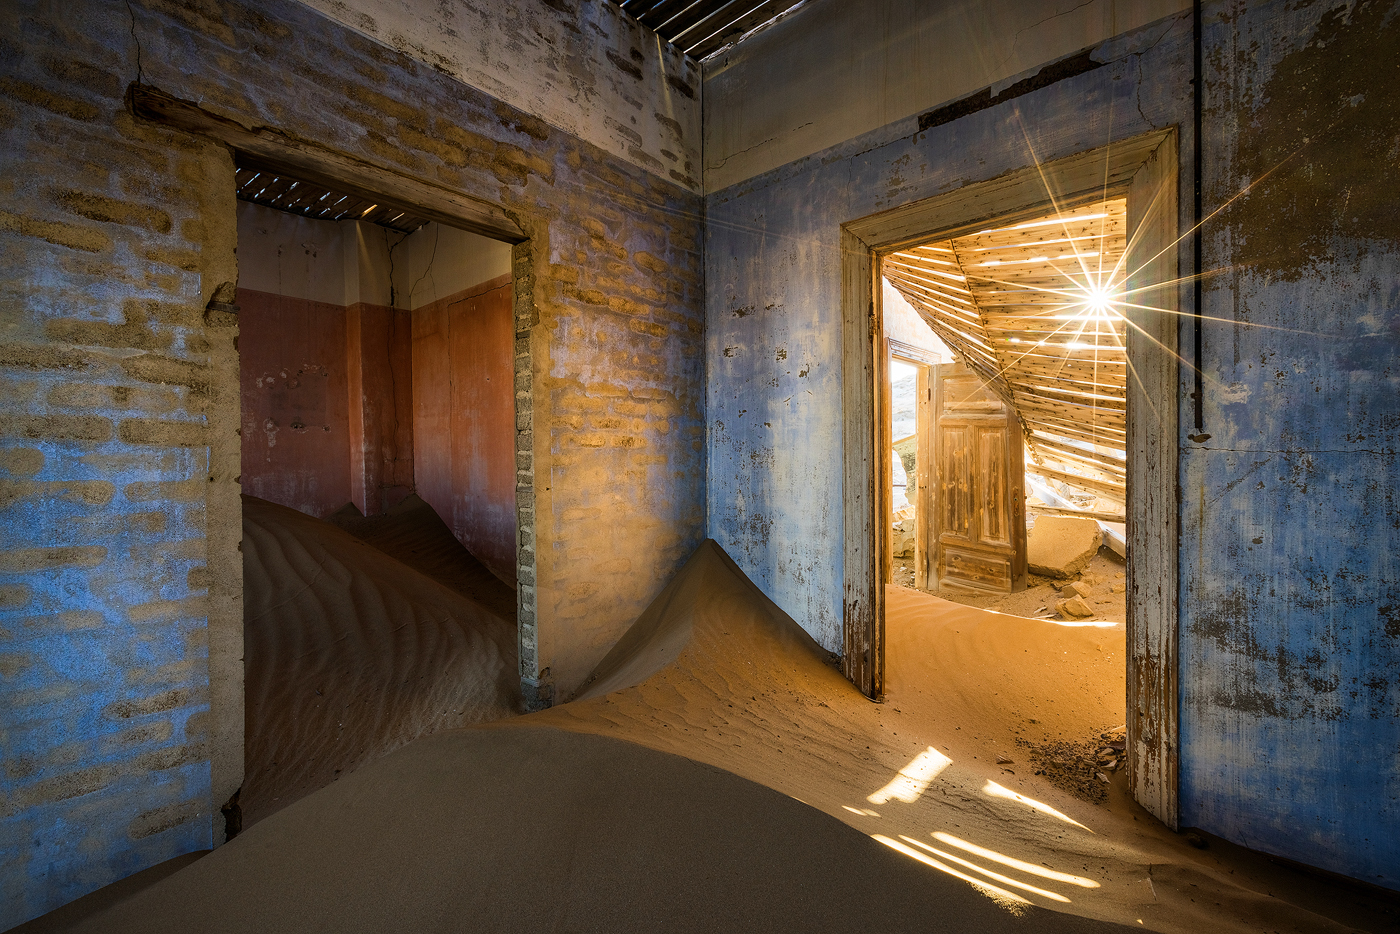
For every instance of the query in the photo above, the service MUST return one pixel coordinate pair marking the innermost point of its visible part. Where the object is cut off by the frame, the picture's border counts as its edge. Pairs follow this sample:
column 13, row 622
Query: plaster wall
column 120, row 577
column 464, row 418
column 841, row 70
column 296, row 404
column 582, row 66
column 903, row 323
column 1289, row 646
column 437, row 262
column 1290, row 521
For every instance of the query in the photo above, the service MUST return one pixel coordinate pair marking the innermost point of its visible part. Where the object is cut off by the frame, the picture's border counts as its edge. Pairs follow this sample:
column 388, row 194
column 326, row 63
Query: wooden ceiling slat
column 1103, row 488
column 1102, row 461
column 1106, row 439
column 1018, row 376
column 316, row 202
column 1058, row 408
column 696, row 16
column 656, row 14
column 1020, row 322
column 1106, row 462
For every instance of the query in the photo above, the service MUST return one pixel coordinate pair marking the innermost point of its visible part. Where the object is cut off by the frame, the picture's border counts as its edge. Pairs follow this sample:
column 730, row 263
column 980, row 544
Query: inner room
column 1008, row 415
column 378, row 475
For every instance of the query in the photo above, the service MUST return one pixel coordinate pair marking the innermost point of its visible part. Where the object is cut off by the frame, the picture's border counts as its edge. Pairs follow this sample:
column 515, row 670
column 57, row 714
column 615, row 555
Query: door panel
column 952, row 478
column 981, row 539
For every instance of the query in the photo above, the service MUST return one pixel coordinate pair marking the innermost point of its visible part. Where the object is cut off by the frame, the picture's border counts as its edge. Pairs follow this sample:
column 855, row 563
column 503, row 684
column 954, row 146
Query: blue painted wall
column 1290, row 626
column 1290, row 581
column 773, row 280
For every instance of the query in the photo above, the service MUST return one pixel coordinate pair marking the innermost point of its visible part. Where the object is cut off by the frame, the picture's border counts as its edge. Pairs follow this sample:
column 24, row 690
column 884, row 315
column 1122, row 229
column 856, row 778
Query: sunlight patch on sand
column 999, row 791
column 1007, row 880
column 1014, row 863
column 1008, row 900
column 913, row 779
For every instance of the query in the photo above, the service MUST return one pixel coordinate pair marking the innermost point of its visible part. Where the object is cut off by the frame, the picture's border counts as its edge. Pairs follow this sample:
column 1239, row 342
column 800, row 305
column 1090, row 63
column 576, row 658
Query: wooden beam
column 862, row 600
column 1153, row 460
column 273, row 151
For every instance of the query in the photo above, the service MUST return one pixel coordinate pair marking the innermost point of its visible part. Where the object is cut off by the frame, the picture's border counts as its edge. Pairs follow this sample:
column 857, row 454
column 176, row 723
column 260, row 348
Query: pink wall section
column 295, row 409
column 327, row 403
column 380, row 363
column 464, row 418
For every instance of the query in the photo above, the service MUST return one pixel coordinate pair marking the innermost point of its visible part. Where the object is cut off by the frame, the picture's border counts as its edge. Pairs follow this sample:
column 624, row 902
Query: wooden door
column 980, row 508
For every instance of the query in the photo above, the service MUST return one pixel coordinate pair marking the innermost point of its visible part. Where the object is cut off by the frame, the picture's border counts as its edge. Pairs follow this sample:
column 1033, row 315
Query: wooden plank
column 1153, row 535
column 1110, row 462
column 1033, row 406
column 1084, row 513
column 1067, row 428
column 1022, row 371
column 862, row 631
column 1112, row 491
column 273, row 151
column 1040, row 431
column 1022, row 380
column 1090, row 467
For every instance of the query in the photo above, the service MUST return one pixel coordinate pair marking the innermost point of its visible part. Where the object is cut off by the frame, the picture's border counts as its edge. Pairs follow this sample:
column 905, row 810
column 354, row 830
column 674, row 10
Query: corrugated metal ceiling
column 272, row 190
column 702, row 27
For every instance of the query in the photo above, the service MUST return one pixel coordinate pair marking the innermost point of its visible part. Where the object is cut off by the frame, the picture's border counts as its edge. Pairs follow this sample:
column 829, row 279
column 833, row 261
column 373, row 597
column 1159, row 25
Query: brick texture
column 120, row 577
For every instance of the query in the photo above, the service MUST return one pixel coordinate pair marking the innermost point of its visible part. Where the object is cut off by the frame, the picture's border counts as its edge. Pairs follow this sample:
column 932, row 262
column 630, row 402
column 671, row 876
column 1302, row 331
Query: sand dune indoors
column 718, row 774
column 351, row 653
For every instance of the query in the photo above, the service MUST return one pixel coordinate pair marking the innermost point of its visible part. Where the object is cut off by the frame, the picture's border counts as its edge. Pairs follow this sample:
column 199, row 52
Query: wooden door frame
column 1144, row 170
column 927, row 364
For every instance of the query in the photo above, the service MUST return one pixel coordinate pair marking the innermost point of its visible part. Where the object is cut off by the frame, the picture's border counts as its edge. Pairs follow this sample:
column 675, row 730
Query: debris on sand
column 1084, row 768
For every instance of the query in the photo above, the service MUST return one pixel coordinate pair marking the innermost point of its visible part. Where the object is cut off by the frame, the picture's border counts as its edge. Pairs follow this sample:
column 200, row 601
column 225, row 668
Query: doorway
column 376, row 364
column 1141, row 171
column 1027, row 426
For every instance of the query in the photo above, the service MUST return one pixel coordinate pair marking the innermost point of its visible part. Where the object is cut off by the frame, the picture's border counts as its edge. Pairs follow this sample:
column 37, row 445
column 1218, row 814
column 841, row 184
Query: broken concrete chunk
column 1075, row 607
column 1076, row 589
column 1061, row 546
column 904, row 538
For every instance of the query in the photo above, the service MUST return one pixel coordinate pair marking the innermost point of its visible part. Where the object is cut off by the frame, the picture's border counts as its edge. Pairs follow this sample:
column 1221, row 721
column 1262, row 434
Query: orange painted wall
column 379, row 353
column 464, row 418
column 295, row 420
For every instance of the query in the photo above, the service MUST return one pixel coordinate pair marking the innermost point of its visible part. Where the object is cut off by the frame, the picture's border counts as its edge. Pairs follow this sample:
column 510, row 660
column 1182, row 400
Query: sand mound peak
column 710, row 587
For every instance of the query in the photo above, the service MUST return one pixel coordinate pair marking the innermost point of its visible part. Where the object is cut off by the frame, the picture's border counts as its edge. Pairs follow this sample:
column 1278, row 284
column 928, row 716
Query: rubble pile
column 1083, row 769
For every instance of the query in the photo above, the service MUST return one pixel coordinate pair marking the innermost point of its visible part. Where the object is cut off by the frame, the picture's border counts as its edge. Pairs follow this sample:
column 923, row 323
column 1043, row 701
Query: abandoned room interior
column 700, row 465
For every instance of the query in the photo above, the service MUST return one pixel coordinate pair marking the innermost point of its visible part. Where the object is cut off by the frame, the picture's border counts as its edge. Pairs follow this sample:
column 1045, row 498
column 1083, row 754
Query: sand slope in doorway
column 413, row 533
column 716, row 672
column 350, row 653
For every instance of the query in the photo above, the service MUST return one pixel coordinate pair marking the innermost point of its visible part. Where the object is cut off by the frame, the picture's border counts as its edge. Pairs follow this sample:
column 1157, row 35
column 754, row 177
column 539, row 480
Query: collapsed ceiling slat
column 700, row 28
column 272, row 190
column 1029, row 307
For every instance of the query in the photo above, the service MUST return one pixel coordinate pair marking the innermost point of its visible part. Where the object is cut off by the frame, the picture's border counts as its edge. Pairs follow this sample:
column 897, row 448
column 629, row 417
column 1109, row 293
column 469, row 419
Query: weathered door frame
column 279, row 152
column 1144, row 170
column 928, row 364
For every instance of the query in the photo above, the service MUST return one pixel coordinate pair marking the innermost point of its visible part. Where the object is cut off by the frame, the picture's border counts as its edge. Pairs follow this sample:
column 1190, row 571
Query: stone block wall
column 120, row 577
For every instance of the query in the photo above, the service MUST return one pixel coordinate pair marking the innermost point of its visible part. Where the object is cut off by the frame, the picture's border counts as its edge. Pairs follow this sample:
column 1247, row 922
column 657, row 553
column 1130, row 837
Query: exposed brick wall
column 120, row 579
